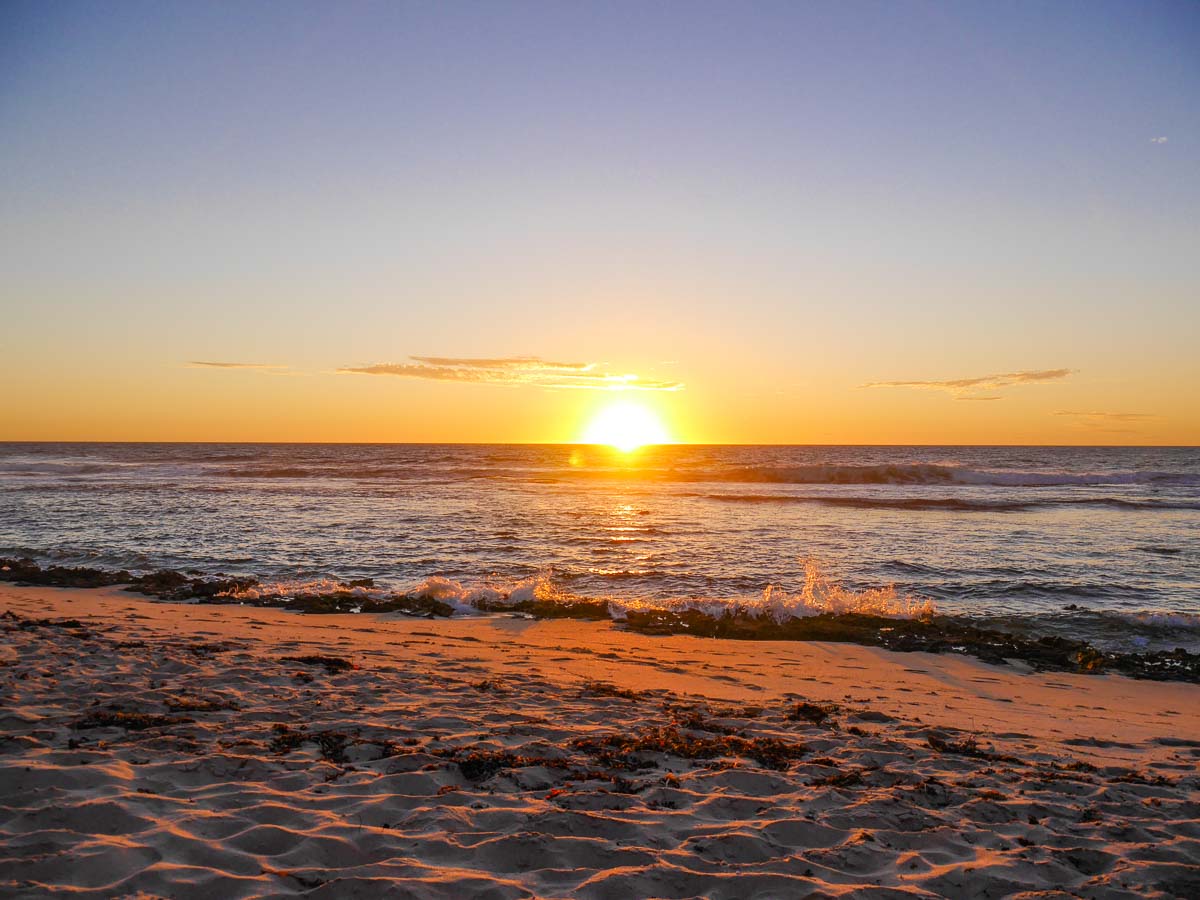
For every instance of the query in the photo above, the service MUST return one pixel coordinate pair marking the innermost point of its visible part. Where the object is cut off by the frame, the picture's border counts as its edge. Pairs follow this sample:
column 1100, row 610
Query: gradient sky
column 897, row 222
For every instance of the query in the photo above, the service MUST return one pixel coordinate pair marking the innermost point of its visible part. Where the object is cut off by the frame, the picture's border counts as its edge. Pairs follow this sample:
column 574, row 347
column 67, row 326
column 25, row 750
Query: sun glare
column 625, row 426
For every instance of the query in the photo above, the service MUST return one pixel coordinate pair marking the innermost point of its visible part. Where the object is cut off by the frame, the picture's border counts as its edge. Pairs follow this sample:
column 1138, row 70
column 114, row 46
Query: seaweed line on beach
column 930, row 633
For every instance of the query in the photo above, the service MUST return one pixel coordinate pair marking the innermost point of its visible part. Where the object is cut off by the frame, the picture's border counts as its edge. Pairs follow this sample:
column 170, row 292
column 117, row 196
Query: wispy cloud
column 1158, row 140
column 514, row 370
column 1107, row 421
column 980, row 382
column 1109, row 416
column 994, row 397
column 205, row 364
column 530, row 363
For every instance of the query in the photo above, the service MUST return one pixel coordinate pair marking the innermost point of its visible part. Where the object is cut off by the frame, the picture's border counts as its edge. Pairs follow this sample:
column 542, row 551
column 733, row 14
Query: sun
column 625, row 426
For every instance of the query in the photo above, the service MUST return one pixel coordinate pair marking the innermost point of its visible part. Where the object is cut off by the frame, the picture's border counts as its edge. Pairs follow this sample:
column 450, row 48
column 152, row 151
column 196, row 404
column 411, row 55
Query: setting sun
column 626, row 426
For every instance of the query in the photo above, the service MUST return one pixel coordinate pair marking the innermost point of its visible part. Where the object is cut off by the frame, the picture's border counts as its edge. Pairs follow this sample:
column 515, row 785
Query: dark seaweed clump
column 167, row 584
column 629, row 751
column 968, row 746
column 26, row 571
column 938, row 634
column 130, row 721
column 575, row 608
column 332, row 744
column 334, row 665
column 817, row 713
column 345, row 601
column 16, row 621
column 480, row 765
column 170, row 585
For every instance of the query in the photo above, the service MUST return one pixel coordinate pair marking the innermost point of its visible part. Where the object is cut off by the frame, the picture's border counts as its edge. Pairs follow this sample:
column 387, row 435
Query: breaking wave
column 894, row 474
column 817, row 596
column 957, row 504
column 927, row 473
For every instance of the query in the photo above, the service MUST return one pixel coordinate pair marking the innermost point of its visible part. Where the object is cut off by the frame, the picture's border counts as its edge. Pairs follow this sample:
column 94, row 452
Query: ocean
column 1101, row 544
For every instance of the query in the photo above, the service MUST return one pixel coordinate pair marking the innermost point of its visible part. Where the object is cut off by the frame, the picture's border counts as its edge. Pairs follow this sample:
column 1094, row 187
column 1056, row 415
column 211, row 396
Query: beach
column 180, row 750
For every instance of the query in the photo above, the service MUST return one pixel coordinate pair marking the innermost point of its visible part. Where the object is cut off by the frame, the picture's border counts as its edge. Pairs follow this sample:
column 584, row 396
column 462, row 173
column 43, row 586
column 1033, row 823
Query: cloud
column 1105, row 421
column 978, row 398
column 1108, row 416
column 1158, row 140
column 981, row 382
column 530, row 363
column 514, row 370
column 203, row 364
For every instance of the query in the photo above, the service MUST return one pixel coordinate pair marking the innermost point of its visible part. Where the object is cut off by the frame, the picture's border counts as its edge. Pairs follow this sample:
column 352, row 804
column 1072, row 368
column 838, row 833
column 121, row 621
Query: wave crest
column 928, row 473
column 819, row 595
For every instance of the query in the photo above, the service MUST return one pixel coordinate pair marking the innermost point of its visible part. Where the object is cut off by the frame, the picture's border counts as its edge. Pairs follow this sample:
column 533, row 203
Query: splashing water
column 819, row 595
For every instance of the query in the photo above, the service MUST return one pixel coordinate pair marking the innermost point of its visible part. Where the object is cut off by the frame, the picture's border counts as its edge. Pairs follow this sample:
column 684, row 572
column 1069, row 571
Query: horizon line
column 587, row 444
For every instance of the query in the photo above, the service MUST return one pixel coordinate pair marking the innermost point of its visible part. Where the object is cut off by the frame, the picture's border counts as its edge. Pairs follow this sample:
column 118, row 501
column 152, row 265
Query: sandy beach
column 185, row 750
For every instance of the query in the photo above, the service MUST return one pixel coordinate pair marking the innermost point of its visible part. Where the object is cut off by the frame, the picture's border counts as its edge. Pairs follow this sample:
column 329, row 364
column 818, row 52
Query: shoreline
column 192, row 749
column 878, row 619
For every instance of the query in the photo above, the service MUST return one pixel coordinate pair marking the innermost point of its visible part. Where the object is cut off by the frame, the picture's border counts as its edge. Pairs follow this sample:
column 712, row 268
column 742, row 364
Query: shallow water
column 1013, row 532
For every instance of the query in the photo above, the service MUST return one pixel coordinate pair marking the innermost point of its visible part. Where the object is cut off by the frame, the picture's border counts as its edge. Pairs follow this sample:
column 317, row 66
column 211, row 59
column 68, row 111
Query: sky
column 813, row 222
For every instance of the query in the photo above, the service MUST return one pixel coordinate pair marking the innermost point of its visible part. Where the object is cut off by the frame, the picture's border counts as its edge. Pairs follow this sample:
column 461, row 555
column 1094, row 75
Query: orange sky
column 182, row 402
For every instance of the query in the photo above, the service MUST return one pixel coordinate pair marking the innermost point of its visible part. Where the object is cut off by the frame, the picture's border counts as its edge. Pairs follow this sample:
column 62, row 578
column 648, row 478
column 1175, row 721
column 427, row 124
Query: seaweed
column 332, row 744
column 934, row 634
column 130, row 721
column 166, row 584
column 481, row 765
column 26, row 571
column 626, row 751
column 491, row 686
column 696, row 718
column 195, row 704
column 334, row 665
column 816, row 713
column 604, row 689
column 1135, row 777
column 339, row 602
column 27, row 624
column 848, row 778
column 969, row 746
column 575, row 608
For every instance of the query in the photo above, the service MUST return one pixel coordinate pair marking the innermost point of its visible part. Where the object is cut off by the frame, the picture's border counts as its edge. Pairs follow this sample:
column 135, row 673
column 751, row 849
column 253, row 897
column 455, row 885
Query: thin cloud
column 978, row 398
column 1158, row 140
column 981, row 382
column 514, row 371
column 529, row 363
column 1108, row 416
column 1106, row 422
column 206, row 364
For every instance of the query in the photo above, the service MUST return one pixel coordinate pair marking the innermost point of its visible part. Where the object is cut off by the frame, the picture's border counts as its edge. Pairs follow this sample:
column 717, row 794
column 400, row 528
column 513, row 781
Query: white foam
column 819, row 595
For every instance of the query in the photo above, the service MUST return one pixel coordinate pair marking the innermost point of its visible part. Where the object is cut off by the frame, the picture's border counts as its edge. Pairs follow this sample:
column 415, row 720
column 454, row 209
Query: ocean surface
column 1095, row 543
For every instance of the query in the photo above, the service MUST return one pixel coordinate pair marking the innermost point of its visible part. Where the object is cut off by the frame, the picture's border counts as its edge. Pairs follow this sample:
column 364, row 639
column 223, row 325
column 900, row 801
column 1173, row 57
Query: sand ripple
column 134, row 760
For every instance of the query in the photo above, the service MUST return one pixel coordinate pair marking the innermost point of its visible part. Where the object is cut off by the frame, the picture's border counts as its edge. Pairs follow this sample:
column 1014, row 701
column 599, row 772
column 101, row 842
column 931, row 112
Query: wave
column 925, row 473
column 541, row 468
column 950, row 503
column 363, row 473
column 819, row 595
column 273, row 472
column 1155, row 620
column 63, row 469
